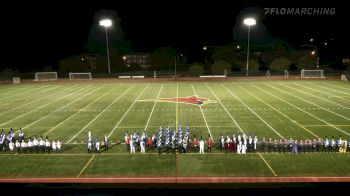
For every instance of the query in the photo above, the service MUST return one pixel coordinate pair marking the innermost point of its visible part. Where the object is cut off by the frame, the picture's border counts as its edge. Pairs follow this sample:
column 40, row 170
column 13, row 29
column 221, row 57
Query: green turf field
column 276, row 109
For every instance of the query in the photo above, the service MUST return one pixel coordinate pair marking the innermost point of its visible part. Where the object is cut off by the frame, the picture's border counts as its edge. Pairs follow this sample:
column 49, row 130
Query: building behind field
column 137, row 58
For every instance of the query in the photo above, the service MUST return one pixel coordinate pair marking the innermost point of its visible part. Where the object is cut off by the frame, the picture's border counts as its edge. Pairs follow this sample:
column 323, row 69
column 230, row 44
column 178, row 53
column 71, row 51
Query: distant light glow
column 204, row 48
column 249, row 21
column 313, row 52
column 326, row 44
column 238, row 46
column 106, row 22
column 312, row 39
column 124, row 57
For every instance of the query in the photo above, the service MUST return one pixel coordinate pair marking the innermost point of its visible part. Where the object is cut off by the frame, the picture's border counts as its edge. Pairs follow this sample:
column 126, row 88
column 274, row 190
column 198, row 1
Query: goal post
column 45, row 76
column 16, row 80
column 286, row 74
column 343, row 77
column 319, row 73
column 80, row 76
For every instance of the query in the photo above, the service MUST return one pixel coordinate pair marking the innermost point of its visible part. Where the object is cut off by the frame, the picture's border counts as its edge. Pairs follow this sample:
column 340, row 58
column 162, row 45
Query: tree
column 306, row 61
column 7, row 74
column 163, row 58
column 280, row 64
column 74, row 64
column 220, row 66
column 253, row 65
column 196, row 69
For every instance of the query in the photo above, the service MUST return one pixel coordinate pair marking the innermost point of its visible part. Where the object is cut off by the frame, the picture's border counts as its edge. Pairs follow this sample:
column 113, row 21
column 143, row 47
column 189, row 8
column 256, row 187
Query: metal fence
column 8, row 75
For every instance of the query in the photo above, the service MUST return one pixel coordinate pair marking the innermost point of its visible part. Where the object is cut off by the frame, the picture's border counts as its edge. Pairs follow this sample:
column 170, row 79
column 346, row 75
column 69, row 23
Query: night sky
column 40, row 34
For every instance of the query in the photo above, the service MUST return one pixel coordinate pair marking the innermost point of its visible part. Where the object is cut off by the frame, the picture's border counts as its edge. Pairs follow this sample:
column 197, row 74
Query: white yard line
column 318, row 97
column 30, row 101
column 177, row 108
column 86, row 166
column 330, row 89
column 339, row 89
column 49, row 131
column 5, row 89
column 154, row 105
column 279, row 112
column 62, row 107
column 234, row 121
column 116, row 99
column 308, row 102
column 313, row 89
column 15, row 100
column 268, row 165
column 325, row 125
column 128, row 154
column 253, row 112
column 23, row 93
column 138, row 127
column 302, row 110
column 115, row 127
column 36, row 108
column 205, row 120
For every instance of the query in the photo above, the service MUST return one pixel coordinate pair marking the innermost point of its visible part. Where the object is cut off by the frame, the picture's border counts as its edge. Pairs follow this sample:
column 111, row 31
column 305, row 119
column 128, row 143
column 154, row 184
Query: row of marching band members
column 243, row 144
column 169, row 142
column 40, row 145
column 240, row 143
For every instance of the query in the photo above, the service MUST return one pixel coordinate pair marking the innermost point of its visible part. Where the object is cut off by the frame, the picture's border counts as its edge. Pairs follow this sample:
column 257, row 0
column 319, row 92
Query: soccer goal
column 45, row 76
column 16, row 80
column 312, row 73
column 286, row 74
column 343, row 77
column 80, row 76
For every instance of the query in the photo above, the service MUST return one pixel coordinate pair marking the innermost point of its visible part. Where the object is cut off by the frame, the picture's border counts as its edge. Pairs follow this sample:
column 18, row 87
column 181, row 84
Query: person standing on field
column 210, row 143
column 201, row 146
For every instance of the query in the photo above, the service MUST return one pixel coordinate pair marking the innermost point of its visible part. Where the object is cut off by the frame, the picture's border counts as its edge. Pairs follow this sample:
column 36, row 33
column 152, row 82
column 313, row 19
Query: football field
column 306, row 109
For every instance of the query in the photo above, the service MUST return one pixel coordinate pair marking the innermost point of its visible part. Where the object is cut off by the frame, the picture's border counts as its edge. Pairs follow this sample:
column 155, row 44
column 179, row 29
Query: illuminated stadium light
column 249, row 22
column 107, row 23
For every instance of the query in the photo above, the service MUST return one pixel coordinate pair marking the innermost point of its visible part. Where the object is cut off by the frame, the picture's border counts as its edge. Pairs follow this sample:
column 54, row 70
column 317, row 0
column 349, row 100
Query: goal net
column 343, row 77
column 80, row 76
column 286, row 74
column 45, row 76
column 16, row 80
column 312, row 73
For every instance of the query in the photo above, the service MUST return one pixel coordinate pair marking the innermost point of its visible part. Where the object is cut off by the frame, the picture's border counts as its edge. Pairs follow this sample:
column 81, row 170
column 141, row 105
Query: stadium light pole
column 107, row 23
column 249, row 22
column 176, row 63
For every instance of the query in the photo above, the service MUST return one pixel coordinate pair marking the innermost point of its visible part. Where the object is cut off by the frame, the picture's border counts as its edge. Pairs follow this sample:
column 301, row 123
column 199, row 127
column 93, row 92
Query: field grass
column 276, row 109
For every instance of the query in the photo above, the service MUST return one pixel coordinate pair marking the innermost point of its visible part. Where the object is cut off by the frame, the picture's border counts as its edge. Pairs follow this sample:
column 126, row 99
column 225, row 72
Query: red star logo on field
column 189, row 100
column 194, row 100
